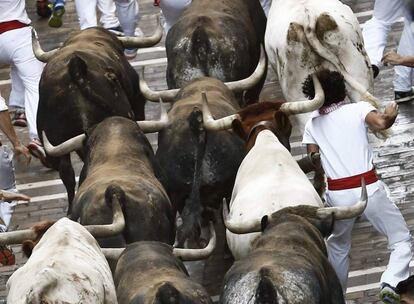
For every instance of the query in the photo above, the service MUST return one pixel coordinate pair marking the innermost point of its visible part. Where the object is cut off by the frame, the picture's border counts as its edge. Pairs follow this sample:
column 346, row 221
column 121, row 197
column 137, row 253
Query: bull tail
column 266, row 291
column 321, row 50
column 191, row 214
column 201, row 47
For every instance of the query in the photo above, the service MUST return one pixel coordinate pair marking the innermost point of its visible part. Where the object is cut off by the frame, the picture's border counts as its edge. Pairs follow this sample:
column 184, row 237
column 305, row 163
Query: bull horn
column 343, row 213
column 252, row 80
column 198, row 254
column 17, row 237
column 155, row 126
column 73, row 144
column 142, row 42
column 37, row 49
column 112, row 253
column 208, row 120
column 240, row 228
column 118, row 222
column 166, row 95
column 298, row 107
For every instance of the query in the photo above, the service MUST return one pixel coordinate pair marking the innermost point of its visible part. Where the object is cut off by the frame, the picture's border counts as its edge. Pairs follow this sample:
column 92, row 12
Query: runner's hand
column 21, row 150
column 391, row 109
column 12, row 196
column 392, row 58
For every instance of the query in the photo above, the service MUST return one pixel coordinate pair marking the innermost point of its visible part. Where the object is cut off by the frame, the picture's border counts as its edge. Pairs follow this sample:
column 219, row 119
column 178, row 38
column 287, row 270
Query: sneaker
column 55, row 19
column 7, row 257
column 19, row 119
column 404, row 96
column 375, row 70
column 130, row 53
column 118, row 31
column 43, row 9
column 388, row 294
column 36, row 149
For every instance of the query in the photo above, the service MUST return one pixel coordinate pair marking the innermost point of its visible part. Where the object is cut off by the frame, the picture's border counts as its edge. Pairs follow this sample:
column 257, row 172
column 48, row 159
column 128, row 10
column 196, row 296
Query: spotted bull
column 118, row 154
column 288, row 263
column 269, row 178
column 83, row 82
column 305, row 36
column 153, row 273
column 200, row 166
column 65, row 262
column 219, row 39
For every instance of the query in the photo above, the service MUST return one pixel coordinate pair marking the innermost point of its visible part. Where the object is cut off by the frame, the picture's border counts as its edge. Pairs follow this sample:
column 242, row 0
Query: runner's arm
column 378, row 121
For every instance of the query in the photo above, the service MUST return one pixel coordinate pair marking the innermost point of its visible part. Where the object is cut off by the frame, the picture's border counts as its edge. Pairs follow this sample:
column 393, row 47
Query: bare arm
column 378, row 121
column 396, row 59
column 11, row 196
column 7, row 127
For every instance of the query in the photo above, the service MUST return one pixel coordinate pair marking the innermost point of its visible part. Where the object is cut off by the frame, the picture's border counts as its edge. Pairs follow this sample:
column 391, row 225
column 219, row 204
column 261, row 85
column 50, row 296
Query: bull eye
column 98, row 43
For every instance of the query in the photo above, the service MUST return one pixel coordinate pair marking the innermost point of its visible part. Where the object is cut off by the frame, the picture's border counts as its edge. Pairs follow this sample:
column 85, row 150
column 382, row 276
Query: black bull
column 119, row 154
column 288, row 263
column 85, row 81
column 200, row 165
column 219, row 39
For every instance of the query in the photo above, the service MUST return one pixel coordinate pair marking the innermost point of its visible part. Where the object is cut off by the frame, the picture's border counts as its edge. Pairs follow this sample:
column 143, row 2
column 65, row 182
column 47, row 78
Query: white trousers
column 128, row 14
column 172, row 9
column 86, row 10
column 375, row 32
column 386, row 219
column 7, row 182
column 16, row 98
column 16, row 50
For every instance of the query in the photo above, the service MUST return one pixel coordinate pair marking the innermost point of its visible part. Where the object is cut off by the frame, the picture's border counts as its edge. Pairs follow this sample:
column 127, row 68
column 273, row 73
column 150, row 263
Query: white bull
column 66, row 266
column 303, row 36
column 269, row 179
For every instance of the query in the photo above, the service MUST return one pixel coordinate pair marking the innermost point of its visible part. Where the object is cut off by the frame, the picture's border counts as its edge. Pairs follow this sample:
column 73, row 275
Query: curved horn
column 240, row 228
column 112, row 253
column 198, row 254
column 298, row 107
column 17, row 237
column 253, row 79
column 166, row 95
column 208, row 120
column 141, row 42
column 118, row 222
column 75, row 143
column 37, row 49
column 155, row 126
column 342, row 213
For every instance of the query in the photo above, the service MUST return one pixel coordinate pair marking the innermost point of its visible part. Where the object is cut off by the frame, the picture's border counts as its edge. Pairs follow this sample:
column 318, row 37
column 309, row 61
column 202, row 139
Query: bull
column 83, row 82
column 153, row 272
column 288, row 262
column 65, row 262
column 406, row 290
column 268, row 174
column 305, row 36
column 200, row 166
column 218, row 39
column 118, row 153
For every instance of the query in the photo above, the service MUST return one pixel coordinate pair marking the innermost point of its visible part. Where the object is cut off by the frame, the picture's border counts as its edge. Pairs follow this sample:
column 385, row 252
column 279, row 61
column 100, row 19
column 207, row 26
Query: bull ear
column 324, row 225
column 167, row 294
column 78, row 69
column 265, row 292
column 238, row 129
column 264, row 222
column 283, row 123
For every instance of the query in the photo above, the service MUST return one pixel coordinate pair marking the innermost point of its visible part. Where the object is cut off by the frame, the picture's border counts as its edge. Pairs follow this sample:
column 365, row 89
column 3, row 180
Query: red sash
column 352, row 181
column 11, row 25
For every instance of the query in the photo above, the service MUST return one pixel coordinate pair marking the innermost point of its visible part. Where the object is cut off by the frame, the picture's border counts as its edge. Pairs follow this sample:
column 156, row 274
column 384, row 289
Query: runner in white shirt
column 16, row 50
column 339, row 132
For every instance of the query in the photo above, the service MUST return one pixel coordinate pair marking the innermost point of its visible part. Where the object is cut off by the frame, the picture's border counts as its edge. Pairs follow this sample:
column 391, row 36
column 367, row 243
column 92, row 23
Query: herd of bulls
column 215, row 142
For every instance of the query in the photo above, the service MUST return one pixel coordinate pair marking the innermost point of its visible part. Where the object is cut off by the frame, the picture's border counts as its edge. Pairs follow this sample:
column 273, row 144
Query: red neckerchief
column 331, row 108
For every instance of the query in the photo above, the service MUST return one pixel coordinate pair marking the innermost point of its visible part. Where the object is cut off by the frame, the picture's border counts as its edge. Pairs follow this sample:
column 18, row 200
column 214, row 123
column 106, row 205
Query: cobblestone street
column 394, row 159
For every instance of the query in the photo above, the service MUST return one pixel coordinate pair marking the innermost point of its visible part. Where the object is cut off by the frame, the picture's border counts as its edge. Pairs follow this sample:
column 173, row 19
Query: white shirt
column 342, row 137
column 13, row 10
column 3, row 106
